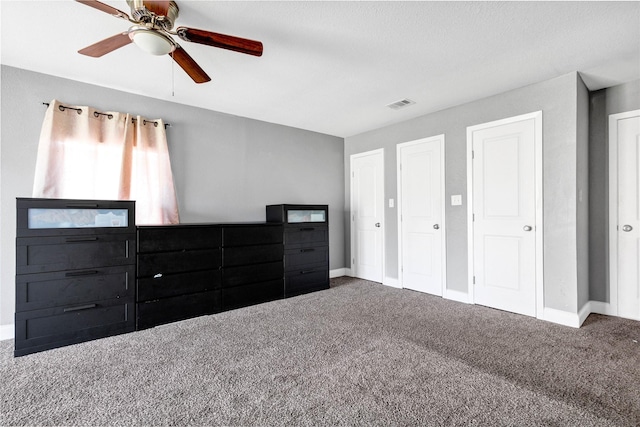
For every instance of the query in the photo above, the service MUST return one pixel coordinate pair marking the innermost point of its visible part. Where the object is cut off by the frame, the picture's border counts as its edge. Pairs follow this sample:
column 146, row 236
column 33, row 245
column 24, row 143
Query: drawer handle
column 80, row 239
column 80, row 307
column 81, row 273
column 307, row 229
column 307, row 250
column 307, row 271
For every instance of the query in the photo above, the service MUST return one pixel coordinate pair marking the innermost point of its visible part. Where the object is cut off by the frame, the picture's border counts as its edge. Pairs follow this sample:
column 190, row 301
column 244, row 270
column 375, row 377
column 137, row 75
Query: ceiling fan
column 153, row 30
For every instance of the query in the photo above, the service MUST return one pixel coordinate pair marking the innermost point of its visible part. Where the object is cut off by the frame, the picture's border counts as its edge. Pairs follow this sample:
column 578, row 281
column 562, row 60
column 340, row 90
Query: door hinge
column 473, row 217
column 474, row 280
column 473, row 154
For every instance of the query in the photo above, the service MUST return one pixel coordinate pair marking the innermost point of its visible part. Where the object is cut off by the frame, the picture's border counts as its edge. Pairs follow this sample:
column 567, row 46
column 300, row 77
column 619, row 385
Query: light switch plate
column 391, row 203
column 456, row 200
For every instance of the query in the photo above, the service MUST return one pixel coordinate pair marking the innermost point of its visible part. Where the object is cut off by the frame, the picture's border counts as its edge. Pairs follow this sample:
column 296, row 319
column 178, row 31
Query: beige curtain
column 89, row 154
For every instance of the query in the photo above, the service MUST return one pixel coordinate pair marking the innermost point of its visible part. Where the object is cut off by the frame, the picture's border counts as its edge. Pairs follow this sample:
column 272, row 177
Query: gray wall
column 617, row 99
column 582, row 182
column 557, row 98
column 226, row 168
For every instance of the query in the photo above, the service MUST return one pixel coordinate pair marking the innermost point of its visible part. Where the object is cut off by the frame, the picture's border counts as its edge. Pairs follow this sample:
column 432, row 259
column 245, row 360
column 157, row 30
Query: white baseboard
column 576, row 320
column 7, row 332
column 584, row 312
column 338, row 272
column 600, row 307
column 561, row 317
column 390, row 281
column 456, row 296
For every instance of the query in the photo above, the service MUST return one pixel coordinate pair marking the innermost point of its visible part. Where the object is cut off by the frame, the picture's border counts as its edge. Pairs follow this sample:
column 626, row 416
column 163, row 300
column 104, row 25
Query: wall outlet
column 456, row 200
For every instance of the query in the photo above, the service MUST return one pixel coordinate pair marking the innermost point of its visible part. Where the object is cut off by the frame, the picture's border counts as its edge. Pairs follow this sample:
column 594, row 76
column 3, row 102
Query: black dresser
column 189, row 270
column 252, row 264
column 306, row 246
column 179, row 273
column 85, row 271
column 75, row 272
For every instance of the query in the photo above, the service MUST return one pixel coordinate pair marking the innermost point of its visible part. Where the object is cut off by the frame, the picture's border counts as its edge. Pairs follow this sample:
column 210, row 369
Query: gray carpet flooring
column 357, row 354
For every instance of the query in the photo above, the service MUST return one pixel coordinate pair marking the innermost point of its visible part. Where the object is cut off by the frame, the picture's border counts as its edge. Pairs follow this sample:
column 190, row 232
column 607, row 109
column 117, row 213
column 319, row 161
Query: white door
column 367, row 211
column 503, row 218
column 625, row 135
column 420, row 202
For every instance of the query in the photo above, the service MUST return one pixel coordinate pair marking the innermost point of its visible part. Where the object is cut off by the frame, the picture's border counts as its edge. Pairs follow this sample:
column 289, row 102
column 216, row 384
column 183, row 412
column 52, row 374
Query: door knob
column 436, row 227
column 527, row 228
column 627, row 228
column 377, row 224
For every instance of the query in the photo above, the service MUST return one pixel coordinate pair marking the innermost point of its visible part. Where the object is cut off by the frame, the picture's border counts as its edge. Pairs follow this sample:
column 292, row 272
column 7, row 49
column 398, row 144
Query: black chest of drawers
column 252, row 264
column 179, row 273
column 306, row 246
column 85, row 271
column 190, row 270
column 75, row 271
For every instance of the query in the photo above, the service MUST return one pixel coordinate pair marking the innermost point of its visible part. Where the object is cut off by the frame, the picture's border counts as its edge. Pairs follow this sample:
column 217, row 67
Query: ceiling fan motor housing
column 141, row 13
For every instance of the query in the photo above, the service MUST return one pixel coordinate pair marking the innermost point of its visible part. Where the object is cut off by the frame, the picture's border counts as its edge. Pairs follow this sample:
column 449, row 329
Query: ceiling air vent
column 401, row 104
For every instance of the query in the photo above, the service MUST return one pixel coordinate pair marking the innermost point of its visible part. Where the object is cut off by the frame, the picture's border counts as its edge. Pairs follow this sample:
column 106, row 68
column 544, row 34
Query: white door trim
column 353, row 269
column 537, row 116
column 613, row 207
column 441, row 139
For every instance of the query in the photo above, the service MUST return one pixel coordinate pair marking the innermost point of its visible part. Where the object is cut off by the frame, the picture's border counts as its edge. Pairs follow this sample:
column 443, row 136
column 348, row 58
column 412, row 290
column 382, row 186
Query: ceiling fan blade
column 160, row 8
column 107, row 45
column 189, row 65
column 250, row 47
column 105, row 8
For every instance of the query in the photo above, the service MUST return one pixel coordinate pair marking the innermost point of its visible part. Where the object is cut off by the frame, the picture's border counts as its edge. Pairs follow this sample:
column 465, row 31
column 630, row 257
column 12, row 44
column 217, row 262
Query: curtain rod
column 110, row 116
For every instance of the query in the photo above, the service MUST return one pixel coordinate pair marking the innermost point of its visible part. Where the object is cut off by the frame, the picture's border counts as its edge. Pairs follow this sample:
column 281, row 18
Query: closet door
column 367, row 215
column 624, row 142
column 503, row 214
column 421, row 215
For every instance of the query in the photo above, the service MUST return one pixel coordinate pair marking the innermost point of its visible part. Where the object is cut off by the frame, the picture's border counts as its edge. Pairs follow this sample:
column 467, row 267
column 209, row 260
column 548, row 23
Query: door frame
column 443, row 247
column 352, row 221
column 539, row 241
column 613, row 207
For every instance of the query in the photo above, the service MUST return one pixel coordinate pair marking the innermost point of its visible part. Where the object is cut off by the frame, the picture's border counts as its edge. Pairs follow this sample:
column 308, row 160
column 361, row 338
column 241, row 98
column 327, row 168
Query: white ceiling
column 332, row 67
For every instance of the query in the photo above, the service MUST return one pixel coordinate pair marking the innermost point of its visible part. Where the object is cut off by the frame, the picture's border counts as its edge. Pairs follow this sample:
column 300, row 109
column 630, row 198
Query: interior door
column 626, row 131
column 420, row 194
column 504, row 215
column 367, row 210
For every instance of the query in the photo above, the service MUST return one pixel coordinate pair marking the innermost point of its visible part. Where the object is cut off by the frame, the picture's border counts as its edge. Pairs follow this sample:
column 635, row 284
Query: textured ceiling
column 332, row 67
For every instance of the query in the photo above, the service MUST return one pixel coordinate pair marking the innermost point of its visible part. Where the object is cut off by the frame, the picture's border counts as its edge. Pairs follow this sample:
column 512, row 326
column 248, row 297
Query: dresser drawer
column 62, row 288
column 38, row 330
column 252, row 254
column 236, row 276
column 66, row 217
column 176, row 308
column 246, row 235
column 178, row 238
column 42, row 254
column 306, row 281
column 152, row 264
column 254, row 293
column 169, row 285
column 300, row 236
column 295, row 259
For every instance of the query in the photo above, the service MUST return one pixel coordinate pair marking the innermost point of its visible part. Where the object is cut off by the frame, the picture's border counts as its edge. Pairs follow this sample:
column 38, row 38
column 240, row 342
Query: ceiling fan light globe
column 152, row 42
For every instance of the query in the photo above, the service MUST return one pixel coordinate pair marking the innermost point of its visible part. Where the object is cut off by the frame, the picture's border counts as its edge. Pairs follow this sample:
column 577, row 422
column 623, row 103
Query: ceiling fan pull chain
column 173, row 79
